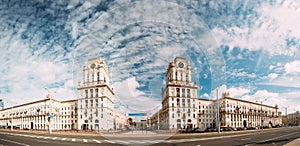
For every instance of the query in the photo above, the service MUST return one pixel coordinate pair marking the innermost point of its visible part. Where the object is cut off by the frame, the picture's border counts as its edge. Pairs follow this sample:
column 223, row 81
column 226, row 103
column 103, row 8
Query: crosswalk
column 86, row 140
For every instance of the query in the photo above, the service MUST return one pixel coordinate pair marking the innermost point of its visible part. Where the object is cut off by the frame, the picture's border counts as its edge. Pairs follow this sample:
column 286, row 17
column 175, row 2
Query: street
column 276, row 136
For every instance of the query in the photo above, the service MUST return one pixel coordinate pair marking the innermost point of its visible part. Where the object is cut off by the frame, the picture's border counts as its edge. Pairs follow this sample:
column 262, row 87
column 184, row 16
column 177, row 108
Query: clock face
column 93, row 65
column 180, row 64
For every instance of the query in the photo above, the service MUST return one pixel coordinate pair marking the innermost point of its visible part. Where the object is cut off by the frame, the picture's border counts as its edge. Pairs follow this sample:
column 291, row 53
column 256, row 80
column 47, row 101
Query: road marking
column 73, row 139
column 46, row 137
column 44, row 141
column 121, row 141
column 54, row 138
column 97, row 141
column 109, row 141
column 84, row 140
column 63, row 138
column 14, row 142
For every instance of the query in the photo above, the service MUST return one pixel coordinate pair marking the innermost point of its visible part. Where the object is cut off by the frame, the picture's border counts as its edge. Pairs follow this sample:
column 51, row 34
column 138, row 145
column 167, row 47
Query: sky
column 252, row 47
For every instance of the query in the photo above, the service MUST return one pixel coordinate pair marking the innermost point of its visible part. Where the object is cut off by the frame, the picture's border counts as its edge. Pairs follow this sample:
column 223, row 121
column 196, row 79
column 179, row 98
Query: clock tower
column 179, row 97
column 96, row 97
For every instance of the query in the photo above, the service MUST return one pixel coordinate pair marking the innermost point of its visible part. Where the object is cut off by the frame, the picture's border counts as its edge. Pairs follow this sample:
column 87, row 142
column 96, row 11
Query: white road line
column 63, row 138
column 84, row 140
column 46, row 137
column 121, row 141
column 97, row 141
column 109, row 141
column 134, row 141
column 54, row 138
column 14, row 142
column 73, row 139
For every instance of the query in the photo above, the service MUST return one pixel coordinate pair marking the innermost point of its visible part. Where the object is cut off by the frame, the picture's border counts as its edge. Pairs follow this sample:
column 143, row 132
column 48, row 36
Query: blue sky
column 251, row 46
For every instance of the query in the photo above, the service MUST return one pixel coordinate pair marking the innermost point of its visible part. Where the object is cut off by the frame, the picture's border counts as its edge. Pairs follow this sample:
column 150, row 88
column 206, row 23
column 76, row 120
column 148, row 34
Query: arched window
column 96, row 121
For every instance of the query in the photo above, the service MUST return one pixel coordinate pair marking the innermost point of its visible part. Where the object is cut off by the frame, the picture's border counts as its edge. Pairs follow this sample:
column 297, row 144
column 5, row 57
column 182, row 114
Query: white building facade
column 35, row 115
column 96, row 101
column 179, row 97
column 92, row 110
column 181, row 108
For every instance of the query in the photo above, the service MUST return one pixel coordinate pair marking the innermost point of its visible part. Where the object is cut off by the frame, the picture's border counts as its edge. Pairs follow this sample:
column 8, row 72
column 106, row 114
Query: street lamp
column 11, row 126
column 218, row 110
column 261, row 122
column 286, row 119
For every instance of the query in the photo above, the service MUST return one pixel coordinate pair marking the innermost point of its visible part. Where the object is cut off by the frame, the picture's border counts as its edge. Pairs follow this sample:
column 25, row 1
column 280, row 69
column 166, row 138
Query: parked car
column 251, row 128
column 199, row 130
column 210, row 130
column 226, row 129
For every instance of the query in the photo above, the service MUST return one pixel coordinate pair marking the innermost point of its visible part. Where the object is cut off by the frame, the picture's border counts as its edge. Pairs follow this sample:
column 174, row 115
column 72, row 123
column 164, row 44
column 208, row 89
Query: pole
column 218, row 111
column 158, row 121
column 11, row 126
column 50, row 120
column 261, row 123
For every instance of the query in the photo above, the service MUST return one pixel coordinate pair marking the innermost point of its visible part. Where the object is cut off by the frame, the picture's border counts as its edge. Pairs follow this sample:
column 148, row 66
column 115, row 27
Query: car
column 187, row 130
column 251, row 128
column 199, row 130
column 226, row 129
column 210, row 129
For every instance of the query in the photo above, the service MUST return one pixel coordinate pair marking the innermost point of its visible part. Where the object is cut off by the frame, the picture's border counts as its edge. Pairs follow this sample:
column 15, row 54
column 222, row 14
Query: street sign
column 137, row 114
column 51, row 117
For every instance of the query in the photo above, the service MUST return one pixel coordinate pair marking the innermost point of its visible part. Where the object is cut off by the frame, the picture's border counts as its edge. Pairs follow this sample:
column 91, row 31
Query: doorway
column 245, row 123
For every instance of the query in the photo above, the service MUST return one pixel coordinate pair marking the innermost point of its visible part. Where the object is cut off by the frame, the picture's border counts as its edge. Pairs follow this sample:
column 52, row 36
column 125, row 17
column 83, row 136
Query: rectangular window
column 91, row 91
column 183, row 92
column 188, row 93
column 96, row 90
column 187, row 76
column 86, row 93
column 178, row 92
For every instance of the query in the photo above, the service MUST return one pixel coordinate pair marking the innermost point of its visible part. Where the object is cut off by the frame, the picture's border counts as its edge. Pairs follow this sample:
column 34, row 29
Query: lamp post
column 286, row 119
column 11, row 126
column 261, row 122
column 218, row 110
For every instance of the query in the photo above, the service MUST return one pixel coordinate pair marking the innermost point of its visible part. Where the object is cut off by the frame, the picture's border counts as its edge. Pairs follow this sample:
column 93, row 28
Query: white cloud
column 284, row 81
column 292, row 67
column 269, row 31
column 288, row 99
column 128, row 94
column 238, row 92
column 272, row 76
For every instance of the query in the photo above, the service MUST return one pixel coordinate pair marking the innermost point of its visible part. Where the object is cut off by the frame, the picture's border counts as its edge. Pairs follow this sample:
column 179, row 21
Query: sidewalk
column 295, row 142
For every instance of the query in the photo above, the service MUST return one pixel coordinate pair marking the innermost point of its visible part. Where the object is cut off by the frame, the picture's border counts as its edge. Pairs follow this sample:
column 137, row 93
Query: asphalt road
column 272, row 137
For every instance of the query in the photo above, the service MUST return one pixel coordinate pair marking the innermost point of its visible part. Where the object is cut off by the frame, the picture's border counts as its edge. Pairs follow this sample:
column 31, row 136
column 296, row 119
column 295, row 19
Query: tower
column 179, row 97
column 96, row 97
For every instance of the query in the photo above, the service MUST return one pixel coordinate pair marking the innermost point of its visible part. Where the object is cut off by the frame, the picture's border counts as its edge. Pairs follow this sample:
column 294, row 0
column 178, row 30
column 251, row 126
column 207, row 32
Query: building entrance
column 245, row 123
